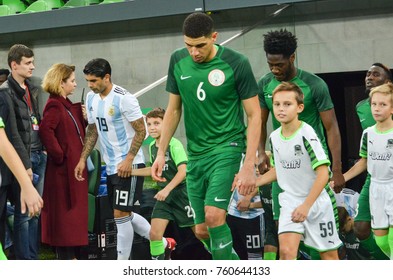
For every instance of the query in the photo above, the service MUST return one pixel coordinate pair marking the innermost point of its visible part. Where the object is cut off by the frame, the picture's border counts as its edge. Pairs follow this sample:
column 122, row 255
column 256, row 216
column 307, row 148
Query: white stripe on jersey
column 112, row 116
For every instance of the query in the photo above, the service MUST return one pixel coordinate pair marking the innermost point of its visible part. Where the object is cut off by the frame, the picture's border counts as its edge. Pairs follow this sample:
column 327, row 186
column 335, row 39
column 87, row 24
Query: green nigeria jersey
column 363, row 109
column 316, row 99
column 1, row 123
column 211, row 94
column 174, row 156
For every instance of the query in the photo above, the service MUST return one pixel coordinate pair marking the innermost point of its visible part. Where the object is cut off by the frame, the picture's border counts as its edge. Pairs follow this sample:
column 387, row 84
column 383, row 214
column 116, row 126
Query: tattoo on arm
column 90, row 140
column 140, row 134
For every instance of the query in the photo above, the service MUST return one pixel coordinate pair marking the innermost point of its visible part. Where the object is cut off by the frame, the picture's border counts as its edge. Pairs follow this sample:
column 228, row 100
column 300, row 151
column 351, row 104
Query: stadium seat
column 54, row 4
column 37, row 6
column 94, row 178
column 94, row 2
column 75, row 3
column 15, row 6
column 4, row 10
column 111, row 1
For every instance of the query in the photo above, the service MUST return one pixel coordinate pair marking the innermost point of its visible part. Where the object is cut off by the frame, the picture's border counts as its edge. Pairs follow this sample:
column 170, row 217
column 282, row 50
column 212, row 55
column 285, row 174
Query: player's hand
column 156, row 169
column 31, row 201
column 124, row 169
column 243, row 204
column 300, row 213
column 263, row 163
column 245, row 180
column 162, row 194
column 339, row 181
column 78, row 171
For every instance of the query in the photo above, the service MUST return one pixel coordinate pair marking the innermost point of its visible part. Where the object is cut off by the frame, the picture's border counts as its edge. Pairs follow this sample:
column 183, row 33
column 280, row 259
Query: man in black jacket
column 24, row 104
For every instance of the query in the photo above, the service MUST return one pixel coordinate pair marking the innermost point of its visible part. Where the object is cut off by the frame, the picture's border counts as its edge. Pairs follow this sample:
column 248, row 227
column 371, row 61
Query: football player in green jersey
column 213, row 84
column 377, row 75
column 172, row 199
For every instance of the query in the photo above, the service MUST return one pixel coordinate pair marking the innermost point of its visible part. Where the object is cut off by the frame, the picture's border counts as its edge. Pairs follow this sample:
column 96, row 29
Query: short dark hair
column 198, row 25
column 156, row 113
column 385, row 68
column 18, row 51
column 4, row 72
column 280, row 42
column 98, row 67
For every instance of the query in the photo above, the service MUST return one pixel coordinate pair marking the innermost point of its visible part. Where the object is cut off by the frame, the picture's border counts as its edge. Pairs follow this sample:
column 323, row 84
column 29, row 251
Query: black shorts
column 125, row 193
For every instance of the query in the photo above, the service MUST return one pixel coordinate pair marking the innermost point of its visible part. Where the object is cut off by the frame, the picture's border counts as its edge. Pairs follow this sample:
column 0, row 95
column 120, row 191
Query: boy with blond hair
column 301, row 167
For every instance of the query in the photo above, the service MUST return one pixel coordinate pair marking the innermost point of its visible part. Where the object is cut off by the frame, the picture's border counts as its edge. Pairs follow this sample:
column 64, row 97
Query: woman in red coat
column 64, row 217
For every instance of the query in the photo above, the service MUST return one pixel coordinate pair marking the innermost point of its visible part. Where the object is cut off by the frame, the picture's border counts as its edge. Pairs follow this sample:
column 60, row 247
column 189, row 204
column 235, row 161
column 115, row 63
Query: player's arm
column 29, row 195
column 329, row 121
column 144, row 172
column 246, row 175
column 263, row 159
column 179, row 177
column 359, row 167
column 124, row 168
column 301, row 212
column 267, row 178
column 169, row 126
column 89, row 143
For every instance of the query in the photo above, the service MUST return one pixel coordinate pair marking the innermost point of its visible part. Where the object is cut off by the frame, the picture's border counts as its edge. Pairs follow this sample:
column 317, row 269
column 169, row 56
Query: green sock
column 370, row 245
column 383, row 243
column 390, row 241
column 157, row 249
column 270, row 256
column 2, row 255
column 206, row 243
column 221, row 243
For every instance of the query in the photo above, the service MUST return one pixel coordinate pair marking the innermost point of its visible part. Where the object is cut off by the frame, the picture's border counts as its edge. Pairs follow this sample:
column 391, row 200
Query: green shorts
column 276, row 190
column 176, row 207
column 209, row 182
column 363, row 209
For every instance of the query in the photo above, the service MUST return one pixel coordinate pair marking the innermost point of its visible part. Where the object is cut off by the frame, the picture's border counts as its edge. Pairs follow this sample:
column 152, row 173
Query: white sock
column 142, row 227
column 125, row 237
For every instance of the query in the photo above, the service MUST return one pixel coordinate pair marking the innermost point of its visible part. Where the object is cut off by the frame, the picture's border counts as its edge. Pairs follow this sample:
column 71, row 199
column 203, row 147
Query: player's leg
column 157, row 248
column 289, row 245
column 362, row 227
column 221, row 170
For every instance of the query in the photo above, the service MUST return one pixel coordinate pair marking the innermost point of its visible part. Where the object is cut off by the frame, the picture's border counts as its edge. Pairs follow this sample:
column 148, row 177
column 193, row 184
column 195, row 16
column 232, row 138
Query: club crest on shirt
column 216, row 77
column 298, row 150
column 111, row 111
column 389, row 144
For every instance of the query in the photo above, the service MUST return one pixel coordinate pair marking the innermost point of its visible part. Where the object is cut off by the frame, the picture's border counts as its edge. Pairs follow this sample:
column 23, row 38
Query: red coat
column 64, row 217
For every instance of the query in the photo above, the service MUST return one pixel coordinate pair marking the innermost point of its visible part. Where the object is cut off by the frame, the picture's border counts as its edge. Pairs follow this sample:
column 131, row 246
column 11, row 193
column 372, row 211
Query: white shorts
column 319, row 230
column 381, row 204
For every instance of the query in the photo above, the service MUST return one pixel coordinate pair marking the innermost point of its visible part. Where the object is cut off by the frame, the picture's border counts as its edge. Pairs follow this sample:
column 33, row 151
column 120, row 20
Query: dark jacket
column 7, row 113
column 22, row 114
column 64, row 217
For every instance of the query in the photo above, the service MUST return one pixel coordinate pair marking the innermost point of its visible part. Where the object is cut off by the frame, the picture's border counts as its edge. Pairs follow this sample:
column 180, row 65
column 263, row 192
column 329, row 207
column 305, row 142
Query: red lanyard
column 28, row 100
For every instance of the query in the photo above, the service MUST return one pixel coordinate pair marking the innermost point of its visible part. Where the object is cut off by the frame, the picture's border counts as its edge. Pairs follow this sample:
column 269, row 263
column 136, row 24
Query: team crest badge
column 111, row 111
column 298, row 150
column 216, row 77
column 389, row 145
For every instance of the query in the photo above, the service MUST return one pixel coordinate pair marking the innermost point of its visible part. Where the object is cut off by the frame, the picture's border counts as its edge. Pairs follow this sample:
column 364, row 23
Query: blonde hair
column 386, row 89
column 58, row 73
